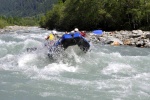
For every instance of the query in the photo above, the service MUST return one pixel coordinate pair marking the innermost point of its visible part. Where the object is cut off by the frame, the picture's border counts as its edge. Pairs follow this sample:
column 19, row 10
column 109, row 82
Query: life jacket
column 83, row 33
column 51, row 37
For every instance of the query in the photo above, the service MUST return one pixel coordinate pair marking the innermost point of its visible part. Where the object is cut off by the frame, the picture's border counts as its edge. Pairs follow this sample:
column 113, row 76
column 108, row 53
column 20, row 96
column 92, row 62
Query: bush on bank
column 95, row 14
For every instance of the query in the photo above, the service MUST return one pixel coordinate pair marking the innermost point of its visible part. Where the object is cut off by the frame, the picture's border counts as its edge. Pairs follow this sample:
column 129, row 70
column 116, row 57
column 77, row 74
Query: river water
column 104, row 73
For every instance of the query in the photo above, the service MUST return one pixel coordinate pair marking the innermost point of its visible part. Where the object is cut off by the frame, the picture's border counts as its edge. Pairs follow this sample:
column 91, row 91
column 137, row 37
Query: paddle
column 31, row 49
column 47, row 44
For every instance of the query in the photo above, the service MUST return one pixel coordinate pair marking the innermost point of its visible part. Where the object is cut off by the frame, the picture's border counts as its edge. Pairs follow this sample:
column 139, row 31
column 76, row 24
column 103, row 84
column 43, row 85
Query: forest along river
column 104, row 73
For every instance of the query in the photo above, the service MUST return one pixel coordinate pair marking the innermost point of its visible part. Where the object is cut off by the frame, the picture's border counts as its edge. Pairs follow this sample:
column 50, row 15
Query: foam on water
column 32, row 43
column 111, row 73
column 117, row 68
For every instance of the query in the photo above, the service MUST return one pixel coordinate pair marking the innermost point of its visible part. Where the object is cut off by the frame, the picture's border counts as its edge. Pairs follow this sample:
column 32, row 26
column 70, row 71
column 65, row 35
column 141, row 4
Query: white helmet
column 76, row 29
column 54, row 32
column 72, row 31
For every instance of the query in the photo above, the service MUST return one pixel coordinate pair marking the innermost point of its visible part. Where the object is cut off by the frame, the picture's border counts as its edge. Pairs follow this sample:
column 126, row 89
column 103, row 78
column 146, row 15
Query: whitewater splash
column 111, row 73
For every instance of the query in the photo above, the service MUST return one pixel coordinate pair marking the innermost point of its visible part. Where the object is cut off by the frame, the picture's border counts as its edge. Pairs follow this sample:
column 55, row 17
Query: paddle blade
column 31, row 49
column 98, row 32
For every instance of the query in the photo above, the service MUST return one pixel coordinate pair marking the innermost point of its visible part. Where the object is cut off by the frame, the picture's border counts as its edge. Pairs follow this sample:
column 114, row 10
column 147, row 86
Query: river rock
column 148, row 36
column 127, row 42
column 139, row 32
column 115, row 43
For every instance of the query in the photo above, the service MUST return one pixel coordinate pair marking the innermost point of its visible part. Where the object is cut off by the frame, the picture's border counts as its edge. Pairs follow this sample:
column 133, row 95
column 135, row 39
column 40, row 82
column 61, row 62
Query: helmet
column 76, row 29
column 72, row 31
column 54, row 32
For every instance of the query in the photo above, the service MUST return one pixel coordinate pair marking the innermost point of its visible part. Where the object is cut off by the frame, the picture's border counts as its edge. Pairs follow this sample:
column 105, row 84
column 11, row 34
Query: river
column 104, row 73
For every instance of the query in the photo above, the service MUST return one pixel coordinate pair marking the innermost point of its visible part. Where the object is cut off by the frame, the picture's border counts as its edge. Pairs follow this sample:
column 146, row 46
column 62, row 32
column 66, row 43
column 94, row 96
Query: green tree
column 94, row 14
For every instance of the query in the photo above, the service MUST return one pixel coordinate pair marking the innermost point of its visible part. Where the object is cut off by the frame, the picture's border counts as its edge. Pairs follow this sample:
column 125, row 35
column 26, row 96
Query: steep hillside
column 23, row 8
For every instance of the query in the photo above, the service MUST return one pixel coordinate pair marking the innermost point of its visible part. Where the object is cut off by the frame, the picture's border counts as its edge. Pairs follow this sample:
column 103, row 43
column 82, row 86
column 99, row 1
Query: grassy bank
column 3, row 23
column 27, row 21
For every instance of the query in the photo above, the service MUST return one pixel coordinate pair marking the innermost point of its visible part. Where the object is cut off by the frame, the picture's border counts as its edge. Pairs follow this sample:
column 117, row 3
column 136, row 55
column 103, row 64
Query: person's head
column 76, row 29
column 54, row 32
column 83, row 31
column 72, row 31
column 66, row 32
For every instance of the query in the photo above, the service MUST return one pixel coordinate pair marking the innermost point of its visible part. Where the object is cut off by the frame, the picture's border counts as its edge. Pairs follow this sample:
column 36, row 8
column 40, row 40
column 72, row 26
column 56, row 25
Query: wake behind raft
column 69, row 40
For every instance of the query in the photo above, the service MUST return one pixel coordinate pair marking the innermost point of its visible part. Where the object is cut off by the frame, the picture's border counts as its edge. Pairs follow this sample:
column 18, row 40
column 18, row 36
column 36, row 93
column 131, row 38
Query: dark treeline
column 23, row 12
column 25, row 8
column 98, row 14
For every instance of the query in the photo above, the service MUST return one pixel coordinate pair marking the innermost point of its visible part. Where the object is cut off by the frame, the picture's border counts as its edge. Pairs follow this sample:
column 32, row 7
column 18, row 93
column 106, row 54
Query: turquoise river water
column 104, row 73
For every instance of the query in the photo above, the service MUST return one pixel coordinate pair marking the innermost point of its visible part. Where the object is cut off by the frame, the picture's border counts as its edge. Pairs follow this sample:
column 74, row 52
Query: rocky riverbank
column 137, row 38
